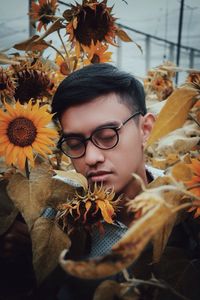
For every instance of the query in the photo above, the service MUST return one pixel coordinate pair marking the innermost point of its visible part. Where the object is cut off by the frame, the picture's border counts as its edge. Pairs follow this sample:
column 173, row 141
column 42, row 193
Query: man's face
column 113, row 167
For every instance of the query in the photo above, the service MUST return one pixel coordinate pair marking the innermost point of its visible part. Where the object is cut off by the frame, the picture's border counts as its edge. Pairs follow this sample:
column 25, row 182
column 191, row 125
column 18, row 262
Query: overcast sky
column 155, row 17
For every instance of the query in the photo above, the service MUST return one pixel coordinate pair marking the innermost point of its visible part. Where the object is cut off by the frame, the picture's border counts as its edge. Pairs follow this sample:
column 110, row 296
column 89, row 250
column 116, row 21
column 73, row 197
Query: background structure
column 144, row 21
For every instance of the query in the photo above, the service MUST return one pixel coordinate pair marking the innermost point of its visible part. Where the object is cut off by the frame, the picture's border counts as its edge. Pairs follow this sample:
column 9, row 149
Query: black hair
column 95, row 80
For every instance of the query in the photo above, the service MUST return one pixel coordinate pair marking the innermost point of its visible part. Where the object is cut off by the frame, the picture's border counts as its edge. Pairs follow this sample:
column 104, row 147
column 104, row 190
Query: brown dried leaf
column 57, row 25
column 48, row 240
column 161, row 238
column 123, row 35
column 111, row 290
column 173, row 114
column 33, row 43
column 30, row 196
column 8, row 212
column 107, row 290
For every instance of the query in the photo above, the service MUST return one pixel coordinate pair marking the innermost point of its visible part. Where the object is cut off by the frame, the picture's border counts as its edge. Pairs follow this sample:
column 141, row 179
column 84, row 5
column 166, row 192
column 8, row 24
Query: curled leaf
column 72, row 178
column 33, row 43
column 173, row 114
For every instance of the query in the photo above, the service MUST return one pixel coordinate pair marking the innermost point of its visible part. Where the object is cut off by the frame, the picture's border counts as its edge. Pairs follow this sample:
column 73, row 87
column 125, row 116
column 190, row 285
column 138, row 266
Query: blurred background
column 165, row 29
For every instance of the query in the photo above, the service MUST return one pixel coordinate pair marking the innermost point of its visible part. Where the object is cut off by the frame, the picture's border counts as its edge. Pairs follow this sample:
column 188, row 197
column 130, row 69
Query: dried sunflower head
column 41, row 12
column 33, row 80
column 88, row 208
column 7, row 83
column 90, row 21
column 194, row 77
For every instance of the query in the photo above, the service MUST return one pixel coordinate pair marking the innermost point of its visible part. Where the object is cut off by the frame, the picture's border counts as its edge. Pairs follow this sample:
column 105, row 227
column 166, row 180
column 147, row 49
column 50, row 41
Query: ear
column 148, row 121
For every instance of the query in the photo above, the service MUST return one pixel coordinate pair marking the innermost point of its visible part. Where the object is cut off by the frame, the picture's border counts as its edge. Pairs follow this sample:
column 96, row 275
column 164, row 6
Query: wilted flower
column 7, row 83
column 42, row 9
column 91, row 21
column 22, row 132
column 33, row 80
column 88, row 208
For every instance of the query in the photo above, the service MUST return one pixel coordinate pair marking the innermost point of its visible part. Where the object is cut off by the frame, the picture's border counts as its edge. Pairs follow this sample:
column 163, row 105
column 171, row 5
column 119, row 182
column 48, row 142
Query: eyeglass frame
column 85, row 140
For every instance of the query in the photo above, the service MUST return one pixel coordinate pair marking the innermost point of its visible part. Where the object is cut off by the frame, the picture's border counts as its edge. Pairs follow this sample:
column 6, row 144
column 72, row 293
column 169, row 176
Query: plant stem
column 27, row 169
column 56, row 50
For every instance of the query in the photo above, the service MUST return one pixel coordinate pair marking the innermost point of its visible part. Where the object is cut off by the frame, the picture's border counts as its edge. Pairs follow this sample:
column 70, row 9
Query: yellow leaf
column 173, row 114
column 181, row 172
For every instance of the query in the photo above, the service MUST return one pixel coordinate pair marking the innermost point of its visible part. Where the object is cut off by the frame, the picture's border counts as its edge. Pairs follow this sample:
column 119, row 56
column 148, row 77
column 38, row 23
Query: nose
column 93, row 154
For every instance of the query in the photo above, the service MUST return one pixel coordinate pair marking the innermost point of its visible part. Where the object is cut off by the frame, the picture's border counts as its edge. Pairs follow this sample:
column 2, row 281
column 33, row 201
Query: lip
column 98, row 176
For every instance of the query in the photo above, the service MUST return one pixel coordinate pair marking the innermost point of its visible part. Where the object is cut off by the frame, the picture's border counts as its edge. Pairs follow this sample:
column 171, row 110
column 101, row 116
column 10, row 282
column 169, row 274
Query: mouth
column 99, row 176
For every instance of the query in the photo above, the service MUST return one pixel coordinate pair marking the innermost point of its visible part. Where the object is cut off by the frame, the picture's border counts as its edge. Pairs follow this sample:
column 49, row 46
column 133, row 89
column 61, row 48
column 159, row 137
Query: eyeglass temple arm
column 133, row 116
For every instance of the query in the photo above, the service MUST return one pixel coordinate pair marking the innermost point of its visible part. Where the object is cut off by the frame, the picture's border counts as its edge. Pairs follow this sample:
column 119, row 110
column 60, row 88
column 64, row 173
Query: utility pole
column 179, row 36
column 31, row 27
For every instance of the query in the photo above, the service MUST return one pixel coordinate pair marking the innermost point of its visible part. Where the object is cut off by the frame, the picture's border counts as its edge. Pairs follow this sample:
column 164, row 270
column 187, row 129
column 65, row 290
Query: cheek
column 79, row 165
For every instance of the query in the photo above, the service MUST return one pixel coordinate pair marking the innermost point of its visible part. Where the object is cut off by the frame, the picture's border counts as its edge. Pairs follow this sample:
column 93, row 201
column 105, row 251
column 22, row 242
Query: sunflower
column 42, row 9
column 91, row 21
column 7, row 83
column 33, row 80
column 97, row 54
column 194, row 183
column 88, row 208
column 23, row 132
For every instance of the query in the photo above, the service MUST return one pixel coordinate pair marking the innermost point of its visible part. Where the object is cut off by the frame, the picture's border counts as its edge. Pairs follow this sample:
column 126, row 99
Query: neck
column 130, row 192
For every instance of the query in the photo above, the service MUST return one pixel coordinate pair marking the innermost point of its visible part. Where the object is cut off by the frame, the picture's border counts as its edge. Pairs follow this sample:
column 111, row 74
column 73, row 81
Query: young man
column 105, row 125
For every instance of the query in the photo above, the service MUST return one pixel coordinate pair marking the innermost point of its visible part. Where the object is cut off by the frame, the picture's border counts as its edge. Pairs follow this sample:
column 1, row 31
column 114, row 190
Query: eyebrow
column 80, row 134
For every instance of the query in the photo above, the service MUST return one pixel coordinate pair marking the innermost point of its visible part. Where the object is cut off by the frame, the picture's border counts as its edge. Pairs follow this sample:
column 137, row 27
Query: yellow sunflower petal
column 42, row 139
column 9, row 157
column 87, row 207
column 11, row 110
column 28, row 152
column 48, row 131
column 21, row 159
column 105, row 211
column 37, row 148
column 4, row 139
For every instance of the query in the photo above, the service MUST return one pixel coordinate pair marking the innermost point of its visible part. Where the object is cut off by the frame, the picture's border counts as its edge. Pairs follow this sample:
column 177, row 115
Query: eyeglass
column 105, row 138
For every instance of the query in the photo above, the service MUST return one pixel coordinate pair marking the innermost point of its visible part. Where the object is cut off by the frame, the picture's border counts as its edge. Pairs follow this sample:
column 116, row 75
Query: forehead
column 87, row 116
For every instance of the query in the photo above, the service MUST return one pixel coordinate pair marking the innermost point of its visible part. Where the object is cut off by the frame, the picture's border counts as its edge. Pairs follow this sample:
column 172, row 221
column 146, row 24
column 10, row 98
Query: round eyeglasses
column 105, row 138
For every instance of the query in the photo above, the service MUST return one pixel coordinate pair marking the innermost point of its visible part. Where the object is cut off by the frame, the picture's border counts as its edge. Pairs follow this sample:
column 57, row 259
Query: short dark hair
column 95, row 80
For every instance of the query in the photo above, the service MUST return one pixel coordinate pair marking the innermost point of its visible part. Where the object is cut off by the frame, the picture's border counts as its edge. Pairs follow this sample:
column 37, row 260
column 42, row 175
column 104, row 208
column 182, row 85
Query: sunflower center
column 21, row 132
column 32, row 84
